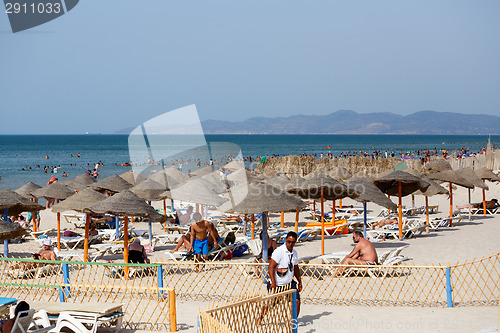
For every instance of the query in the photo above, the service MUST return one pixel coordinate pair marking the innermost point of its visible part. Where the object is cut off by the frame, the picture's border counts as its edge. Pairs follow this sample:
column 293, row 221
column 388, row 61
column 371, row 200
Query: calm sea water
column 25, row 151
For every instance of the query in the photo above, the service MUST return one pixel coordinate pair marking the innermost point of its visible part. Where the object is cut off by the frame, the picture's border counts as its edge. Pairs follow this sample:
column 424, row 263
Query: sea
column 25, row 158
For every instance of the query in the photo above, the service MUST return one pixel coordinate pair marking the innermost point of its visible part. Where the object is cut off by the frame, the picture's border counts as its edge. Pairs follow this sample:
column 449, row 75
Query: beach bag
column 240, row 250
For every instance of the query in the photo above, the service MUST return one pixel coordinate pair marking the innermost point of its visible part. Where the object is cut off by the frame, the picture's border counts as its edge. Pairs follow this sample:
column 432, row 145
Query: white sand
column 464, row 241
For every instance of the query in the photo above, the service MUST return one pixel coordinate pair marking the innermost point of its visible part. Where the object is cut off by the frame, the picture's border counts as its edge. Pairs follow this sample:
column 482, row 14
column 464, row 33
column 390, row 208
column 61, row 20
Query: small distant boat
column 327, row 147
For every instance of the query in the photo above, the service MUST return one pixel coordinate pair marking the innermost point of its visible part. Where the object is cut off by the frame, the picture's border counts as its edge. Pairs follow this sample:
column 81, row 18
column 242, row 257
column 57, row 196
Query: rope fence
column 146, row 289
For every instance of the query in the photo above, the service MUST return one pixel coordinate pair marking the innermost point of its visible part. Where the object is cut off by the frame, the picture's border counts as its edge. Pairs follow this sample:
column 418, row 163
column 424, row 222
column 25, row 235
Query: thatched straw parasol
column 486, row 174
column 368, row 192
column 433, row 189
column 340, row 173
column 112, row 183
column 279, row 181
column 211, row 181
column 80, row 182
column 79, row 202
column 470, row 175
column 202, row 172
column 14, row 203
column 10, row 230
column 437, row 165
column 233, row 166
column 451, row 177
column 260, row 198
column 132, row 177
column 27, row 188
column 125, row 203
column 400, row 183
column 321, row 187
column 169, row 177
column 242, row 176
column 197, row 191
column 55, row 190
column 149, row 190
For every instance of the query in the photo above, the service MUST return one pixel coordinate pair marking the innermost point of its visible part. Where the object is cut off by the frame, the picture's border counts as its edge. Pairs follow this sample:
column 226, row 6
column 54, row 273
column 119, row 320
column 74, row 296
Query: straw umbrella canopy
column 80, row 182
column 197, row 191
column 9, row 230
column 170, row 177
column 320, row 187
column 368, row 192
column 202, row 172
column 451, row 177
column 437, row 165
column 149, row 190
column 471, row 176
column 112, row 183
column 243, row 175
column 279, row 181
column 260, row 198
column 132, row 177
column 340, row 173
column 486, row 174
column 125, row 203
column 27, row 188
column 15, row 203
column 233, row 165
column 55, row 190
column 213, row 181
column 433, row 189
column 400, row 183
column 79, row 202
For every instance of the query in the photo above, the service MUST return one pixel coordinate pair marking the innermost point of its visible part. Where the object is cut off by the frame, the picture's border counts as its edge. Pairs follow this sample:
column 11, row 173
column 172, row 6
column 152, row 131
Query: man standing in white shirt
column 283, row 266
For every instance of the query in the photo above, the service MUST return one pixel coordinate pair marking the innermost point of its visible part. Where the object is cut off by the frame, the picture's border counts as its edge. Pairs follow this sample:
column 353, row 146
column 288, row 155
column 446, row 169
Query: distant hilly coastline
column 351, row 122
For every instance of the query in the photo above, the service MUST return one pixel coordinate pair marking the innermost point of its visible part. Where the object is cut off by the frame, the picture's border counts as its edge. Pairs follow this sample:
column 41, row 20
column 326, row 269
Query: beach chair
column 376, row 271
column 41, row 234
column 24, row 321
column 87, row 322
column 255, row 246
column 78, row 220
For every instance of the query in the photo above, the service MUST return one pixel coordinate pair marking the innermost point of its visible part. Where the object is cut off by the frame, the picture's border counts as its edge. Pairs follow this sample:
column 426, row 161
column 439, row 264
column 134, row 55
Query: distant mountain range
column 350, row 122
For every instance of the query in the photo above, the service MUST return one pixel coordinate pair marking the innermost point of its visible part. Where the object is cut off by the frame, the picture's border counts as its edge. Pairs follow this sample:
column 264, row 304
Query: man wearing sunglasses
column 283, row 266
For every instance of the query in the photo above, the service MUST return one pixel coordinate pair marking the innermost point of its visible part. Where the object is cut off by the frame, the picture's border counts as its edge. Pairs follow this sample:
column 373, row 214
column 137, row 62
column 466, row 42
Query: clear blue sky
column 109, row 64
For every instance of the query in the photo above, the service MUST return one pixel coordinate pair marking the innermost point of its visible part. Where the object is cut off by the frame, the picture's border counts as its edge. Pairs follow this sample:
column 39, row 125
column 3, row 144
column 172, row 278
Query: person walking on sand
column 363, row 254
column 284, row 266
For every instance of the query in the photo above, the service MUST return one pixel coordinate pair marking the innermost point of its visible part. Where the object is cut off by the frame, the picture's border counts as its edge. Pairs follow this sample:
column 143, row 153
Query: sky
column 108, row 64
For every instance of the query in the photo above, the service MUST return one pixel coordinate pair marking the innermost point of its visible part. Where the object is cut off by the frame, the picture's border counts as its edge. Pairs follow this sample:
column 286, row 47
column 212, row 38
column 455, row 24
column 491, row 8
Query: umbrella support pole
column 484, row 200
column 252, row 227
column 282, row 220
column 59, row 231
column 427, row 214
column 333, row 211
column 322, row 225
column 297, row 220
column 340, row 203
column 451, row 202
column 364, row 220
column 400, row 209
column 86, row 242
column 125, row 246
column 470, row 211
column 117, row 227
column 6, row 241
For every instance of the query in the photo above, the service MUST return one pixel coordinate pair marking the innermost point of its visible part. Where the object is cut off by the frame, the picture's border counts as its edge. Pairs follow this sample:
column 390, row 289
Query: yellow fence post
column 172, row 312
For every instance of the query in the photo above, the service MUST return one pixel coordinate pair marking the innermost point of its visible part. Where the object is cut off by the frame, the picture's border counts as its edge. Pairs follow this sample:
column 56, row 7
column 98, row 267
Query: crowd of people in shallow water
column 186, row 165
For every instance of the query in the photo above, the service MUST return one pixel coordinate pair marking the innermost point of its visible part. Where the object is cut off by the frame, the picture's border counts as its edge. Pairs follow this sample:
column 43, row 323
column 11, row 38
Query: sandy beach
column 463, row 242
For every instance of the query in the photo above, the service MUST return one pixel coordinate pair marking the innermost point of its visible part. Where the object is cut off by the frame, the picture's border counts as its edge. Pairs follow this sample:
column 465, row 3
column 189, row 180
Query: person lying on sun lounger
column 380, row 224
column 493, row 203
column 363, row 254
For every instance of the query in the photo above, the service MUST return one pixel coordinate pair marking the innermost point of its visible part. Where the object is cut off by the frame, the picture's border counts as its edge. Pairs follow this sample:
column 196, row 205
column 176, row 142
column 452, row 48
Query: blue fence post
column 198, row 324
column 6, row 241
column 449, row 297
column 67, row 290
column 295, row 323
column 160, row 280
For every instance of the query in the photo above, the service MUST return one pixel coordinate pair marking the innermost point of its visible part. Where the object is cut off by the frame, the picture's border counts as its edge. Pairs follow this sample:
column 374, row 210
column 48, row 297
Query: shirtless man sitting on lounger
column 46, row 253
column 199, row 237
column 363, row 254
